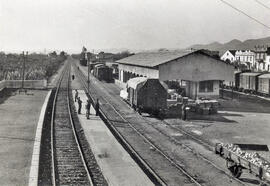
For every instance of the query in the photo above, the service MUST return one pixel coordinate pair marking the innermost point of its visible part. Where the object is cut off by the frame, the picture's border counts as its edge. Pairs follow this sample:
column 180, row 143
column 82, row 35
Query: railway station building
column 199, row 73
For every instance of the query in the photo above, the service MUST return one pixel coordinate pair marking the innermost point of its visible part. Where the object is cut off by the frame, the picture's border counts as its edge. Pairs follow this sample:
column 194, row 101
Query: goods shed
column 200, row 72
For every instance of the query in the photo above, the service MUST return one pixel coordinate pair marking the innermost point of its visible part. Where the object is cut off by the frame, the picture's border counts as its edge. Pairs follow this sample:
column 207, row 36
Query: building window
column 206, row 86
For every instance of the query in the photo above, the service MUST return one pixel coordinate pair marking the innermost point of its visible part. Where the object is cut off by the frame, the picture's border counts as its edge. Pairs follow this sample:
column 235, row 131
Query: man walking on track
column 76, row 95
column 97, row 108
column 87, row 107
column 80, row 105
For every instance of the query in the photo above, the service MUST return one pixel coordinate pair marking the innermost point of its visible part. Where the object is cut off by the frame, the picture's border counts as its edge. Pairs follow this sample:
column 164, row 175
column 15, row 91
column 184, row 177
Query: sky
column 46, row 25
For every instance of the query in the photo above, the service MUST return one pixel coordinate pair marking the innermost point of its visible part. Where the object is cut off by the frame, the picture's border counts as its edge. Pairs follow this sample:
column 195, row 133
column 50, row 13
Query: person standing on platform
column 80, row 105
column 184, row 112
column 76, row 95
column 87, row 107
column 97, row 108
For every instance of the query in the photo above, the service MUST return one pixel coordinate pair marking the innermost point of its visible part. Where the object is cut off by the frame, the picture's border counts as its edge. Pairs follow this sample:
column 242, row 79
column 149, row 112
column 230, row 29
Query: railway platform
column 19, row 115
column 116, row 164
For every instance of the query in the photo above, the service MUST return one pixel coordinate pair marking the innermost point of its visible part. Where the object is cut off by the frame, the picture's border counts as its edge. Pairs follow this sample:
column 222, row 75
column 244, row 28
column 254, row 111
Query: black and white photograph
column 134, row 92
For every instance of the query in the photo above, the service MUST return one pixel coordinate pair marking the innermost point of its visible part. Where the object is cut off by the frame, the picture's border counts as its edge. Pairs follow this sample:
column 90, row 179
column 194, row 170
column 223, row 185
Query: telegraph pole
column 23, row 72
column 24, row 58
column 88, row 73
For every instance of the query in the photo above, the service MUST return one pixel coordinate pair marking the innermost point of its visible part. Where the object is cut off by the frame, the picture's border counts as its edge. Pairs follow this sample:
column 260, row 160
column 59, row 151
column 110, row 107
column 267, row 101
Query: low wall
column 31, row 84
column 2, row 85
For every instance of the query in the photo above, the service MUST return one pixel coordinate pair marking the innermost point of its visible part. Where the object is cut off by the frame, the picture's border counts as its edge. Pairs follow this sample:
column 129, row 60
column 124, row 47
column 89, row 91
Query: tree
column 53, row 54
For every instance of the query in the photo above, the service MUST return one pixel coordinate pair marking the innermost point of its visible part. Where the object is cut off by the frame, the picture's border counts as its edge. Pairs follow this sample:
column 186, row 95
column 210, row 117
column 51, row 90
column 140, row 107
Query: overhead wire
column 262, row 4
column 244, row 13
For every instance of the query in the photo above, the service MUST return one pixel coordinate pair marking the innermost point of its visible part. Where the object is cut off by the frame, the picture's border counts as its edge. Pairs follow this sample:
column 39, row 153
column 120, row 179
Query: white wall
column 148, row 72
column 267, row 63
column 245, row 56
column 2, row 84
column 193, row 87
column 228, row 55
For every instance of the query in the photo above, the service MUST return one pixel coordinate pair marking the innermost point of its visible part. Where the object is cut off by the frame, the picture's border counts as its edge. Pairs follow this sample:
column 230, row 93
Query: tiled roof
column 152, row 59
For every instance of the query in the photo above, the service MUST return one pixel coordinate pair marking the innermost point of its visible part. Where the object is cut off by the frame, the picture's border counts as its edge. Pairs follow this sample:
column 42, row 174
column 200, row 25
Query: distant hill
column 234, row 45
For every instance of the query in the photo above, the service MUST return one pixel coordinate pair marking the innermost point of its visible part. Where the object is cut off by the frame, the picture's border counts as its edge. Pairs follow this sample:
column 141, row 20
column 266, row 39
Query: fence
column 29, row 84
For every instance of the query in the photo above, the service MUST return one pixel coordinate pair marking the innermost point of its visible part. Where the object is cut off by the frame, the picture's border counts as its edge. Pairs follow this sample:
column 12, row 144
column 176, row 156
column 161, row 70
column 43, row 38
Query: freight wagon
column 238, row 160
column 83, row 62
column 264, row 84
column 147, row 95
column 103, row 73
column 249, row 81
column 237, row 79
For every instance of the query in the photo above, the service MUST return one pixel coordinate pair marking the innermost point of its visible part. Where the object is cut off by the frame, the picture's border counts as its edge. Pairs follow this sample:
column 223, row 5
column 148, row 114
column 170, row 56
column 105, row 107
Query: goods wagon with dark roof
column 103, row 73
column 147, row 95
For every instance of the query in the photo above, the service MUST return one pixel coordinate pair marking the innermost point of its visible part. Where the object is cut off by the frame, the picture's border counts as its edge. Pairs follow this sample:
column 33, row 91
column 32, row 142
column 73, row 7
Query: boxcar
column 264, row 84
column 249, row 81
column 103, row 73
column 237, row 79
column 147, row 95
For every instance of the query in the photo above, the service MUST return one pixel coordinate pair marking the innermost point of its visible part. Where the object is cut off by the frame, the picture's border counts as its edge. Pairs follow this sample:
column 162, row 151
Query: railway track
column 68, row 162
column 128, row 120
column 120, row 124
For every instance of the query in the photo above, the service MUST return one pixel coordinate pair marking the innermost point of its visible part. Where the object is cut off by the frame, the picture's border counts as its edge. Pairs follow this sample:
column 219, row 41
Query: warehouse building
column 199, row 72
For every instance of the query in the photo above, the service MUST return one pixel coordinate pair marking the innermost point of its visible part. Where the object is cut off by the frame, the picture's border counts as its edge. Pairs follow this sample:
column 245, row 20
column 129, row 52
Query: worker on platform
column 87, row 107
column 97, row 107
column 79, row 105
column 76, row 95
column 184, row 112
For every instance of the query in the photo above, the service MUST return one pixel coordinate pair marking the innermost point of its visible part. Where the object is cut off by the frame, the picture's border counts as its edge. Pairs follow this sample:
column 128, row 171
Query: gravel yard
column 238, row 121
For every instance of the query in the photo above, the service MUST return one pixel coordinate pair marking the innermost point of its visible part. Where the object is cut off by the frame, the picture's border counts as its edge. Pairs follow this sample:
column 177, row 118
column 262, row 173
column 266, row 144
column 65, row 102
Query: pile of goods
column 251, row 157
column 207, row 106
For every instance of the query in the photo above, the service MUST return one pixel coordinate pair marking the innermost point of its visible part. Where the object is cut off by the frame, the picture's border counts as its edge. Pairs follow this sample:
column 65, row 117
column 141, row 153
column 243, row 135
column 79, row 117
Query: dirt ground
column 238, row 121
column 19, row 115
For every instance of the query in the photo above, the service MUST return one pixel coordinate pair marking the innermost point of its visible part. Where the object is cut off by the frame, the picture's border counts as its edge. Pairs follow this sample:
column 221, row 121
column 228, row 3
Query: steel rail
column 195, row 139
column 66, row 70
column 150, row 143
column 191, row 136
column 52, row 127
column 200, row 155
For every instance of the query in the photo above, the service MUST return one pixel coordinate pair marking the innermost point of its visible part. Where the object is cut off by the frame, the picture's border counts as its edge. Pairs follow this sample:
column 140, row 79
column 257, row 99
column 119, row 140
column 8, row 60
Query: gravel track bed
column 205, row 172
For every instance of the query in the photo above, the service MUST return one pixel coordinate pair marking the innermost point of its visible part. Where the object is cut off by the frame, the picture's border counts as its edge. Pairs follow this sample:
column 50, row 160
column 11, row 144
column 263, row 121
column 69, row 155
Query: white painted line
column 33, row 175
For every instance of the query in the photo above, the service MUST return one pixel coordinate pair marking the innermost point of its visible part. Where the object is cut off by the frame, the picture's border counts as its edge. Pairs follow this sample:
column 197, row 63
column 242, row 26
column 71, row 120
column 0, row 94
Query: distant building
column 246, row 57
column 267, row 60
column 200, row 72
column 104, row 57
column 229, row 56
column 260, row 56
